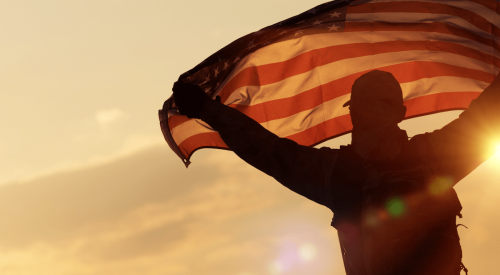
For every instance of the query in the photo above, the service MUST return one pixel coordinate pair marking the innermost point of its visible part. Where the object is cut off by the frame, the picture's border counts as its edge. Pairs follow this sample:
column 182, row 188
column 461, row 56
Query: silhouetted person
column 392, row 197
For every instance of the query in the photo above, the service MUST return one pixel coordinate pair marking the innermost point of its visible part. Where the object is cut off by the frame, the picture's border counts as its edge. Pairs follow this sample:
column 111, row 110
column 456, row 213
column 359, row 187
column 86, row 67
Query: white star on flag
column 226, row 64
column 317, row 22
column 216, row 72
column 335, row 14
column 334, row 27
column 299, row 32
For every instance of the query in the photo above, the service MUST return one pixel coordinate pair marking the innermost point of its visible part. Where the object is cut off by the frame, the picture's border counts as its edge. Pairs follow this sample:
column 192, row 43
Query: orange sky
column 88, row 186
column 82, row 81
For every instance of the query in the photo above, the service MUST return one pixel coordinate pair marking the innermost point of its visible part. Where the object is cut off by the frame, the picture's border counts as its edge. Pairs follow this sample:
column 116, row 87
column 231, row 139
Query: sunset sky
column 88, row 185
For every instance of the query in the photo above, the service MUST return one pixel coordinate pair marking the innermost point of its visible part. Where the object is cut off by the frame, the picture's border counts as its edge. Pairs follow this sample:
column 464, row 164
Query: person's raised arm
column 462, row 145
column 302, row 169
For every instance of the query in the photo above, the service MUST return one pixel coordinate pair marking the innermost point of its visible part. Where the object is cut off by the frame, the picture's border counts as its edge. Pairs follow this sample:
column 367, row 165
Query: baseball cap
column 376, row 85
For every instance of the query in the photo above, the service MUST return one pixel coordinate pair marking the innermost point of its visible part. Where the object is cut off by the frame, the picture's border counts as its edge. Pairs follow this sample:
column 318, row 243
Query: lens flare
column 395, row 207
column 276, row 268
column 307, row 252
column 440, row 185
column 290, row 256
column 497, row 155
column 371, row 218
column 383, row 215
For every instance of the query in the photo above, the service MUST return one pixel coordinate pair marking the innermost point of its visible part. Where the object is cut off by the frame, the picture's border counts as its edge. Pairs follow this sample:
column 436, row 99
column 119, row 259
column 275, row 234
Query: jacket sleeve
column 304, row 170
column 462, row 145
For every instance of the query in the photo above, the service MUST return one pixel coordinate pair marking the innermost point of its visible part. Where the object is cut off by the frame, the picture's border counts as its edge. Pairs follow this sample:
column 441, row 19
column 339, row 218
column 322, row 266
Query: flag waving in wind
column 294, row 77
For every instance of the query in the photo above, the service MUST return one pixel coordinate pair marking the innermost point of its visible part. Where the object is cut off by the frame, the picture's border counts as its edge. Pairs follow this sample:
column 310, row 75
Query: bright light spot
column 276, row 268
column 371, row 218
column 307, row 252
column 383, row 215
column 497, row 155
column 108, row 116
column 395, row 207
column 440, row 185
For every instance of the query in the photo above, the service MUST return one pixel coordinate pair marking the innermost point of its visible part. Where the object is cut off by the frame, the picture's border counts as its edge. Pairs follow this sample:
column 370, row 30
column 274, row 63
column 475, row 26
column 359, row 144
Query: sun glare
column 291, row 256
column 497, row 155
column 307, row 252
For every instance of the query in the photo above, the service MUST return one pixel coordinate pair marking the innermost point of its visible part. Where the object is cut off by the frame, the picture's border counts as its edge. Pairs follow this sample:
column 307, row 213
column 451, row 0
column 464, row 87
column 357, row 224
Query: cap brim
column 347, row 104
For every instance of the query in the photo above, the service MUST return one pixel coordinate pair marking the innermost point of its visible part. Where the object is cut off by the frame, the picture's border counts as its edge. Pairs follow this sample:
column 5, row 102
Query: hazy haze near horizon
column 137, row 215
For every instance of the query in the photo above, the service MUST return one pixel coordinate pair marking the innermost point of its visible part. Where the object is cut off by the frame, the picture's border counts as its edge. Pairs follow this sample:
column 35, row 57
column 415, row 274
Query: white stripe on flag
column 408, row 17
column 302, row 121
column 489, row 15
column 188, row 129
column 441, row 84
column 286, row 50
column 334, row 108
column 291, row 86
column 309, row 118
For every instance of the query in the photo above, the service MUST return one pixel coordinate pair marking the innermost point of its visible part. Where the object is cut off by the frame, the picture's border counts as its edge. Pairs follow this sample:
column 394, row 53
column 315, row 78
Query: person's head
column 376, row 101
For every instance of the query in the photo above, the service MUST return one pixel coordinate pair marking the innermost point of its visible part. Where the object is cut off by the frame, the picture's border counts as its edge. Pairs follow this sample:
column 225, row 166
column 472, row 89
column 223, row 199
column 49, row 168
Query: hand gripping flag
column 294, row 76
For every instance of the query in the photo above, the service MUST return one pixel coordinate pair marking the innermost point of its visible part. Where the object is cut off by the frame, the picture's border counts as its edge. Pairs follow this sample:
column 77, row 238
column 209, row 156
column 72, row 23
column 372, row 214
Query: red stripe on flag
column 176, row 120
column 439, row 102
column 407, row 72
column 492, row 5
column 342, row 125
column 199, row 141
column 272, row 73
column 424, row 7
column 437, row 27
column 416, row 107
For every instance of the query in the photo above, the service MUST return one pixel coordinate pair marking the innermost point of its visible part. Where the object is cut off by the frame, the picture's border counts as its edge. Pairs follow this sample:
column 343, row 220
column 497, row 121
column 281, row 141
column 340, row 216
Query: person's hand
column 189, row 99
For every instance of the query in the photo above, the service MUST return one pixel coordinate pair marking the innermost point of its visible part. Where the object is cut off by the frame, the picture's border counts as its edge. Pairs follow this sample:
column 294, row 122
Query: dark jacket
column 415, row 240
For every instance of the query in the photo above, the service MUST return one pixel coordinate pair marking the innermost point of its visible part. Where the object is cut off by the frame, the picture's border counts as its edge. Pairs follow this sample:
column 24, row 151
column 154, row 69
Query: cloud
column 137, row 143
column 106, row 117
column 146, row 214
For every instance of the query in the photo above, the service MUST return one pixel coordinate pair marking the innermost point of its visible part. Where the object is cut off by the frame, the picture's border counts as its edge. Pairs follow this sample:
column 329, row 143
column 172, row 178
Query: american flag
column 294, row 76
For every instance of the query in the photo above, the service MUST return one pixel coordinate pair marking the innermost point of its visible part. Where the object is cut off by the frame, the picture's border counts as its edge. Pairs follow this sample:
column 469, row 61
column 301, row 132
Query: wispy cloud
column 147, row 214
column 108, row 116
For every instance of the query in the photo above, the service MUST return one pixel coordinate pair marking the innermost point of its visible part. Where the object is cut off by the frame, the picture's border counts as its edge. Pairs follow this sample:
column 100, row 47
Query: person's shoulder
column 418, row 139
column 328, row 151
column 344, row 149
column 329, row 155
column 348, row 156
column 418, row 146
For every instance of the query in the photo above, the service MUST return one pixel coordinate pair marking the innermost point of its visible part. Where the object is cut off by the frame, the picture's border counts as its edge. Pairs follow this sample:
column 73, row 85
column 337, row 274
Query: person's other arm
column 302, row 169
column 462, row 145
